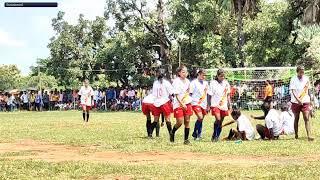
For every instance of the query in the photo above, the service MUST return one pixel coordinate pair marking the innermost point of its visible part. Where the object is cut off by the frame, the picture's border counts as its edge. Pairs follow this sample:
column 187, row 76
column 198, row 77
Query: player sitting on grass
column 286, row 120
column 272, row 128
column 244, row 131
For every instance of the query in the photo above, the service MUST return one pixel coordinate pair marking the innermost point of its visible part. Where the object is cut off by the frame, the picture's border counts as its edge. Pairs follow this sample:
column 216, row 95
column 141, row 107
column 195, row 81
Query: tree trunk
column 164, row 48
column 240, row 33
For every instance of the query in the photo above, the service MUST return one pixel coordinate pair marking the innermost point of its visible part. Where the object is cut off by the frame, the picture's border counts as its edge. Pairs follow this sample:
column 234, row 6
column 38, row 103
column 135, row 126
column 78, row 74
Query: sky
column 25, row 32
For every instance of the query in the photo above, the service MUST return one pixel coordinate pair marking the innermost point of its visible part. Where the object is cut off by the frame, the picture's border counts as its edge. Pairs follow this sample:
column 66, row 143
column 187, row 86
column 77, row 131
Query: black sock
column 148, row 126
column 158, row 129
column 87, row 116
column 174, row 129
column 186, row 133
column 169, row 127
column 162, row 118
column 153, row 125
column 215, row 130
column 84, row 116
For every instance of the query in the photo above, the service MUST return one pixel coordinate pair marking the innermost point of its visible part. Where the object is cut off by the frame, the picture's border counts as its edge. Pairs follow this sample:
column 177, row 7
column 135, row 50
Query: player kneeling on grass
column 244, row 131
column 286, row 120
column 86, row 93
column 272, row 128
column 182, row 103
column 198, row 92
column 162, row 90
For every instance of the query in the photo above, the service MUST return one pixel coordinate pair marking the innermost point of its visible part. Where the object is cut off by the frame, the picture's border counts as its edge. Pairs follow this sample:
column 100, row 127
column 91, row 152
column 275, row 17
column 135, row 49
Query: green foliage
column 211, row 33
column 204, row 34
column 9, row 77
column 42, row 81
column 312, row 56
column 100, row 82
column 269, row 40
column 74, row 48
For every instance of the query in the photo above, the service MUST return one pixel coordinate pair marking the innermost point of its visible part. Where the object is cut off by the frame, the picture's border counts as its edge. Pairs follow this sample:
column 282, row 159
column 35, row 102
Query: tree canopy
column 210, row 34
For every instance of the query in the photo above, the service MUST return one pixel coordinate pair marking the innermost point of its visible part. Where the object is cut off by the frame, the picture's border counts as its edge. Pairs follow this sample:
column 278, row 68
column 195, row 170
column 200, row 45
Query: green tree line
column 196, row 33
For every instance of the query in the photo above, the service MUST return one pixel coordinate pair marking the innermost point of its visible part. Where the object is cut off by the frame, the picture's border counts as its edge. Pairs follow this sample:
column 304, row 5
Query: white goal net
column 248, row 85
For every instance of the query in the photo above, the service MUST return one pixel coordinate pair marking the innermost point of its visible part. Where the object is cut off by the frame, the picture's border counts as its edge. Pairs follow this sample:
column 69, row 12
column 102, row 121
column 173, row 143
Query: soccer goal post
column 248, row 84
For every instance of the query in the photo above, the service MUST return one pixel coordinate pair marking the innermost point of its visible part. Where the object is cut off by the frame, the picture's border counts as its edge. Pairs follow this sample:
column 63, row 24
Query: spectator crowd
column 112, row 99
column 244, row 94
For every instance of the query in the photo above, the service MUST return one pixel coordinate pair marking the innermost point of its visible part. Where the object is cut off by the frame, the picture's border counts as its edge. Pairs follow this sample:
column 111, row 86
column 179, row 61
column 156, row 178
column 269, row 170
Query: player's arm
column 180, row 101
column 170, row 90
column 243, row 135
column 310, row 93
column 271, row 134
column 191, row 88
column 229, row 123
column 229, row 98
column 270, row 126
column 258, row 117
column 176, row 94
column 294, row 93
column 229, row 101
column 209, row 96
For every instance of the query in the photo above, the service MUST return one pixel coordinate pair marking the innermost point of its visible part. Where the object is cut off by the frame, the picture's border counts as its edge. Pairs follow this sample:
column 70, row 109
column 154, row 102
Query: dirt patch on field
column 57, row 153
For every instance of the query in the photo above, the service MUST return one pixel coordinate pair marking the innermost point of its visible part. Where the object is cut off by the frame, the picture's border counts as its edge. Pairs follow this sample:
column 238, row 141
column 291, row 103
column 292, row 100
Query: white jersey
column 199, row 93
column 287, row 122
column 131, row 93
column 24, row 98
column 96, row 95
column 301, row 86
column 245, row 125
column 219, row 94
column 273, row 121
column 161, row 92
column 181, row 89
column 86, row 94
column 148, row 99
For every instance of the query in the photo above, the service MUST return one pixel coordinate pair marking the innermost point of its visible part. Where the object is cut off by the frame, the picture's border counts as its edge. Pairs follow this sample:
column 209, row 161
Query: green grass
column 125, row 132
column 80, row 170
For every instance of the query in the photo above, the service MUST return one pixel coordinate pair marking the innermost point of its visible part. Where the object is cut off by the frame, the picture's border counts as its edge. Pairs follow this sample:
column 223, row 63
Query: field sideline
column 56, row 145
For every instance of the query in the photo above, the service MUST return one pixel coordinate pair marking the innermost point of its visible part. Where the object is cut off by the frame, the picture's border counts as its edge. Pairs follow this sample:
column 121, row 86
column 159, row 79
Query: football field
column 57, row 145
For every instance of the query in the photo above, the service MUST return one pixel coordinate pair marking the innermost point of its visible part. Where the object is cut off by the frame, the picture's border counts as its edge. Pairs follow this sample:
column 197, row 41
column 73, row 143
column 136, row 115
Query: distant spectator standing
column 46, row 101
column 38, row 101
column 25, row 101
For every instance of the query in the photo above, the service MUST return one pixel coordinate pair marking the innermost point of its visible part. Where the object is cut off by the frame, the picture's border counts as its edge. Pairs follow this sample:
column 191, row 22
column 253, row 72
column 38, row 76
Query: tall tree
column 208, row 35
column 135, row 13
column 240, row 8
column 74, row 48
column 271, row 37
column 9, row 77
